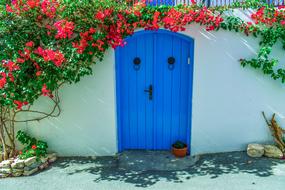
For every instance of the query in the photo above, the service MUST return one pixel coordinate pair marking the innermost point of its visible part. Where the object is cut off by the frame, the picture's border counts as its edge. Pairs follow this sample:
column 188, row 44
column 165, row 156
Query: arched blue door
column 154, row 73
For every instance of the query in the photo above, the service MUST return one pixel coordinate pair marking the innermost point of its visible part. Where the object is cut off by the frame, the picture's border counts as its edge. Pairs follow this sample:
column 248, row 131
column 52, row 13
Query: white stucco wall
column 227, row 101
column 86, row 126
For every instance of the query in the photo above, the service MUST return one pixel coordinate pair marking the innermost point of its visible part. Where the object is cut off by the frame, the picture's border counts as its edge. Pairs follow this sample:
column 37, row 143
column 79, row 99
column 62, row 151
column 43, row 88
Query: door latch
column 150, row 91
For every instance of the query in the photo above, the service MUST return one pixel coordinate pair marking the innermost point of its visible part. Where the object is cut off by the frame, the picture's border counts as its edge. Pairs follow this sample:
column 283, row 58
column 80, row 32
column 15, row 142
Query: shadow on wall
column 213, row 166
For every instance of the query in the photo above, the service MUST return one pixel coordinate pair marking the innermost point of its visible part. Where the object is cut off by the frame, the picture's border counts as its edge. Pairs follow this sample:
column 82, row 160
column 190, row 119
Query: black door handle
column 150, row 91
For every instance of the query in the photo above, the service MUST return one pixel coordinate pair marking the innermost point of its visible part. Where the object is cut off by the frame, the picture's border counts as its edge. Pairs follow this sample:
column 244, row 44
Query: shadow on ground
column 212, row 165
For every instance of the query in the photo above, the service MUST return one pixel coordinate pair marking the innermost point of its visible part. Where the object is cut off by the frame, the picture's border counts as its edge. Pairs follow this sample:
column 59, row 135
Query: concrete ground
column 225, row 171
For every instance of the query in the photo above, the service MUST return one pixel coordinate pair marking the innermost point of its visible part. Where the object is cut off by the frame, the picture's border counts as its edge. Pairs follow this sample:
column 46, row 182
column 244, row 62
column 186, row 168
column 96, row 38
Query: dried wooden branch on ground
column 276, row 131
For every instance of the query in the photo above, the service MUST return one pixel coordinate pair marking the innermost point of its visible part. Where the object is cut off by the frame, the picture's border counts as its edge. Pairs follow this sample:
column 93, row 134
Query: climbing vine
column 48, row 43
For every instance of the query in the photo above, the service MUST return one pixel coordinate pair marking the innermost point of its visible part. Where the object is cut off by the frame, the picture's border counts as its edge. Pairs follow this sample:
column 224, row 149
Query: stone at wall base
column 30, row 172
column 44, row 159
column 4, row 175
column 17, row 172
column 272, row 151
column 6, row 164
column 51, row 157
column 33, row 166
column 5, row 171
column 30, row 161
column 18, row 163
column 16, row 167
column 255, row 150
column 44, row 166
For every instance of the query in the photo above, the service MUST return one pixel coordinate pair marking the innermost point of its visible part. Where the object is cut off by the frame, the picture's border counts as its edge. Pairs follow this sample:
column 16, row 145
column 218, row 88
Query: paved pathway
column 226, row 171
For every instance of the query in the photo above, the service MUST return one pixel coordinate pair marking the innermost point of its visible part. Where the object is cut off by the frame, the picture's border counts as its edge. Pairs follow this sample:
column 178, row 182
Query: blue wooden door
column 154, row 90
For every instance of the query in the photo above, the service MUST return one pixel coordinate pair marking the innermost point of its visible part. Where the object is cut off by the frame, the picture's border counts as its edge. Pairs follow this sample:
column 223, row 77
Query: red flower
column 3, row 80
column 20, row 60
column 33, row 3
column 20, row 104
column 38, row 73
column 49, row 55
column 100, row 16
column 9, row 9
column 30, row 44
column 20, row 152
column 10, row 65
column 34, row 147
column 92, row 30
column 46, row 92
column 210, row 28
column 12, row 79
column 49, row 8
column 64, row 29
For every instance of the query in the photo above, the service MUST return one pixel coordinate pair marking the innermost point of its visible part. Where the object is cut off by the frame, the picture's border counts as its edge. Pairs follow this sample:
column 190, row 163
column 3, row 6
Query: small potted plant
column 179, row 149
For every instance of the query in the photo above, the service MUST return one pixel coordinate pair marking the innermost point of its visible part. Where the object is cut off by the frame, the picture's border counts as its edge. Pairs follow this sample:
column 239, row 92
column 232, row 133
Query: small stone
column 33, row 166
column 272, row 151
column 6, row 164
column 17, row 172
column 18, row 164
column 30, row 161
column 30, row 172
column 51, row 160
column 51, row 157
column 3, row 175
column 5, row 171
column 255, row 150
column 44, row 159
column 44, row 166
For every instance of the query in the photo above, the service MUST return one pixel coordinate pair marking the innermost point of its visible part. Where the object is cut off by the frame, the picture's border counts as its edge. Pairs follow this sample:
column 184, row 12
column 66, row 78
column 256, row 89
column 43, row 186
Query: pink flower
column 92, row 30
column 100, row 16
column 46, row 92
column 10, row 65
column 33, row 3
column 34, row 147
column 20, row 60
column 20, row 104
column 30, row 44
column 3, row 80
column 64, row 29
column 282, row 22
column 38, row 73
column 9, row 9
column 50, row 55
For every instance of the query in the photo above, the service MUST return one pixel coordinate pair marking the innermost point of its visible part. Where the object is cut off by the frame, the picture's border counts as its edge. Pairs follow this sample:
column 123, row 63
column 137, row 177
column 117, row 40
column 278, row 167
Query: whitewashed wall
column 86, row 126
column 227, row 101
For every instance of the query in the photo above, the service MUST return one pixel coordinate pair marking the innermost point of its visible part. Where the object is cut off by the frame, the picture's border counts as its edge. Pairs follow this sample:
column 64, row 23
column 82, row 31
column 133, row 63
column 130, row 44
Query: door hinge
column 189, row 61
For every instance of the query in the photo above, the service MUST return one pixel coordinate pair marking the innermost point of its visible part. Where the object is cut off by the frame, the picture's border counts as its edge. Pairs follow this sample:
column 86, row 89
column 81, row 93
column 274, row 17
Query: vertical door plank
column 176, row 86
column 149, row 63
column 133, row 104
column 142, row 96
column 163, row 90
column 158, row 91
column 184, row 95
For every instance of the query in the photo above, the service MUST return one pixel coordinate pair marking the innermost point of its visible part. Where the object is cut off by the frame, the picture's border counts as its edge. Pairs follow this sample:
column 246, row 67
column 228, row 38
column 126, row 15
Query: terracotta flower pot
column 179, row 152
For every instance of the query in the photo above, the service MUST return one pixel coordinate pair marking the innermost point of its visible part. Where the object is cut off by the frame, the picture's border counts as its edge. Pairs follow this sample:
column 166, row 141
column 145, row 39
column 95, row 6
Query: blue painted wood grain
column 154, row 124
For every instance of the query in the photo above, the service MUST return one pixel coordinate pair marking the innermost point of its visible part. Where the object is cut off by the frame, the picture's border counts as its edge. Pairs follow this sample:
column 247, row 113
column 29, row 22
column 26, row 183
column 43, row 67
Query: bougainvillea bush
column 47, row 43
